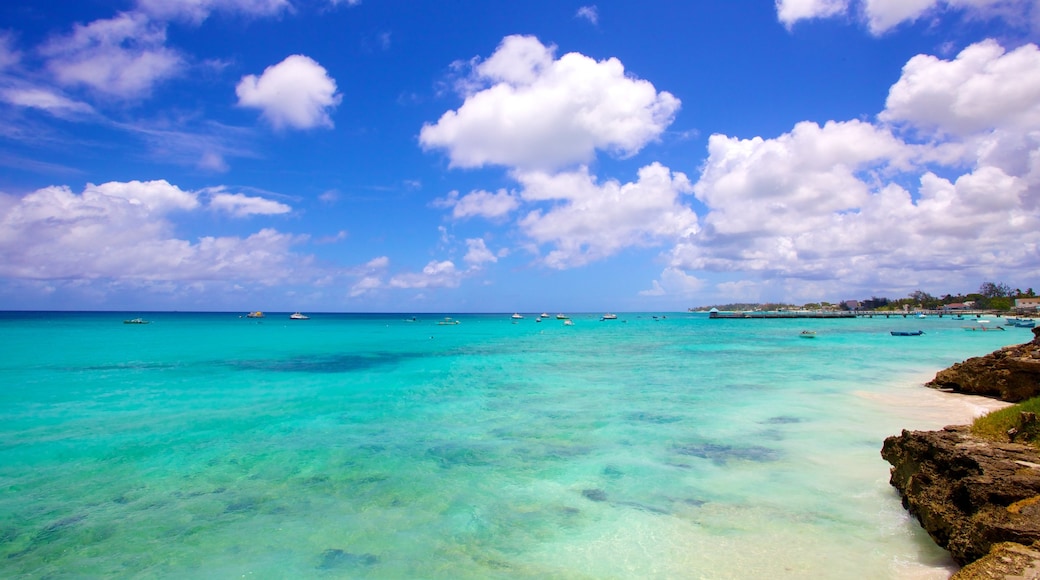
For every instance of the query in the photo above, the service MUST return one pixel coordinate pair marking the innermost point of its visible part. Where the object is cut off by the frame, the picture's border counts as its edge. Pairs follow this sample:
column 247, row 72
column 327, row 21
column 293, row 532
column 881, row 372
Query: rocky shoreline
column 979, row 499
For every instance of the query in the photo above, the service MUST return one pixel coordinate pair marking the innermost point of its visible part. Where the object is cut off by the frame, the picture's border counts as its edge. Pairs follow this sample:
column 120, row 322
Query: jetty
column 783, row 314
column 773, row 314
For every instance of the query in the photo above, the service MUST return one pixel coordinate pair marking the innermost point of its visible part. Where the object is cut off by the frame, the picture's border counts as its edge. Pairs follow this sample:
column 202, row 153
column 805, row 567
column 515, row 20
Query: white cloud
column 591, row 221
column 479, row 203
column 791, row 11
column 45, row 100
column 880, row 16
column 784, row 184
column 590, row 13
column 297, row 93
column 120, row 231
column 538, row 112
column 982, row 89
column 478, row 253
column 199, row 10
column 9, row 56
column 122, row 57
column 851, row 206
column 675, row 282
column 239, row 205
column 434, row 275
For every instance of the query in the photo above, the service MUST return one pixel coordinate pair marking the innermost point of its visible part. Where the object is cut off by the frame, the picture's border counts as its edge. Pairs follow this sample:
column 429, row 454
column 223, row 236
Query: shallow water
column 346, row 446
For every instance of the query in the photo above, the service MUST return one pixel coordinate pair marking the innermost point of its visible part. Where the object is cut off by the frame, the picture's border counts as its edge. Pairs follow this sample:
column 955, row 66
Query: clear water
column 365, row 446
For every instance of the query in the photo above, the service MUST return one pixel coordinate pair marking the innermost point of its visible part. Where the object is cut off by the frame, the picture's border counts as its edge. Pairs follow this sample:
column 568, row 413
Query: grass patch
column 1019, row 423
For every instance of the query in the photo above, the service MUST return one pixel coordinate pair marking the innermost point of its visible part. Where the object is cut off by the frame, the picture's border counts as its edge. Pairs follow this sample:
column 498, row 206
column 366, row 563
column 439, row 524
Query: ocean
column 657, row 445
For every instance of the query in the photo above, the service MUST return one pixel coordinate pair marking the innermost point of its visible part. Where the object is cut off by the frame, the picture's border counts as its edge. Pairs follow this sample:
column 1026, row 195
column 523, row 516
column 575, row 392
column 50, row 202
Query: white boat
column 256, row 314
column 544, row 315
column 298, row 316
column 448, row 321
column 516, row 316
column 135, row 321
column 568, row 322
column 561, row 317
column 609, row 316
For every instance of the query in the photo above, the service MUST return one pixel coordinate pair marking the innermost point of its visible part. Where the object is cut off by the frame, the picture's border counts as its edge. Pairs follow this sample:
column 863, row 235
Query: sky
column 537, row 156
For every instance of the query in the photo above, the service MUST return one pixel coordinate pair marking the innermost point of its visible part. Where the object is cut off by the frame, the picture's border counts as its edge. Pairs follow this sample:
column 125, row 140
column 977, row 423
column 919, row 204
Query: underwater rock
column 720, row 453
column 594, row 494
column 334, row 558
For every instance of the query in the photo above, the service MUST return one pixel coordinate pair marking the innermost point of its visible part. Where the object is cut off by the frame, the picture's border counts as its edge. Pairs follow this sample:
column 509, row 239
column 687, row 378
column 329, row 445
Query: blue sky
column 372, row 156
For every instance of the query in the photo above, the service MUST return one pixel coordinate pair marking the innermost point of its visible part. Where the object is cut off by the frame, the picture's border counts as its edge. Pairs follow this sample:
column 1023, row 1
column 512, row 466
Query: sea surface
column 657, row 445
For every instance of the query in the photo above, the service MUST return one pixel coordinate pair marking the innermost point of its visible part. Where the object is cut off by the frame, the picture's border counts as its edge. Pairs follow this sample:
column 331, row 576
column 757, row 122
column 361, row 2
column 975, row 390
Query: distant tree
column 924, row 299
column 991, row 290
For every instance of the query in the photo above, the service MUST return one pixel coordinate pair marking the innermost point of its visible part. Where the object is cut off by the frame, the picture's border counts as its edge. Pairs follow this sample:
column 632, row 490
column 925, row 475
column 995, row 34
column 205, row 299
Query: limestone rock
column 1011, row 374
column 1005, row 561
column 969, row 494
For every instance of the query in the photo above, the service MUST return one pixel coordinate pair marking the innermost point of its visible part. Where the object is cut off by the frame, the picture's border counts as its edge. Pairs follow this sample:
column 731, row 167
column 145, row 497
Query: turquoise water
column 354, row 446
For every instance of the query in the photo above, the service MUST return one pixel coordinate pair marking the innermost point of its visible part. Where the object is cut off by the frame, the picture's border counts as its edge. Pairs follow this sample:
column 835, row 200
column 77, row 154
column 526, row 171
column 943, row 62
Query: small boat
column 298, row 316
column 544, row 315
column 568, row 322
column 256, row 314
column 907, row 332
column 984, row 328
column 561, row 317
column 516, row 316
column 135, row 321
column 448, row 321
column 921, row 316
column 808, row 334
column 1024, row 323
column 609, row 316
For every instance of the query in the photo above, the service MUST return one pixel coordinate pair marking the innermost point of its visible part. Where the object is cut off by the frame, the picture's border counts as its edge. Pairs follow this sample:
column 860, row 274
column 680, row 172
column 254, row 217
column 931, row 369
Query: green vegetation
column 1016, row 423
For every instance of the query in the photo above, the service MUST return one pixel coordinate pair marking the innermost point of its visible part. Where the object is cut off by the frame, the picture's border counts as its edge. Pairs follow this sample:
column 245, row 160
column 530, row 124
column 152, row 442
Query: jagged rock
column 1011, row 374
column 968, row 493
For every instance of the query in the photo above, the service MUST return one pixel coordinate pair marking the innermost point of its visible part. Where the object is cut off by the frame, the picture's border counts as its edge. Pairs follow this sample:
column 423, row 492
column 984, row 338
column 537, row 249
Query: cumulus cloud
column 526, row 109
column 121, row 57
column 880, row 16
column 851, row 205
column 590, row 221
column 122, row 231
column 479, row 203
column 982, row 89
column 296, row 93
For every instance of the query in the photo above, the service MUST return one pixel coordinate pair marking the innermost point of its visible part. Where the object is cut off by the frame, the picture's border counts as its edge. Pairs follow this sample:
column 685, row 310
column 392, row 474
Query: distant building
column 959, row 306
column 1027, row 303
column 850, row 305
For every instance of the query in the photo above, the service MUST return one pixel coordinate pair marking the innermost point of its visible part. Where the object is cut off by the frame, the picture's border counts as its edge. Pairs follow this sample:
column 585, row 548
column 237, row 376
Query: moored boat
column 808, row 334
column 135, row 321
column 609, row 316
column 448, row 321
column 298, row 316
column 256, row 314
column 516, row 316
column 907, row 332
